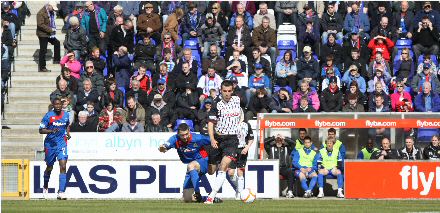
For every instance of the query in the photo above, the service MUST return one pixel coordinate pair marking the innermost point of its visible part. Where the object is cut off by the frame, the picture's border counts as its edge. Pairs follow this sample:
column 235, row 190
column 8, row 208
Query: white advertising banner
column 145, row 179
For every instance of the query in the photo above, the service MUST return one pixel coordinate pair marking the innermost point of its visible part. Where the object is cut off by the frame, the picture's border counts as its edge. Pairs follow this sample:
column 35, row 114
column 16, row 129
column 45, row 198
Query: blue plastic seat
column 425, row 134
column 433, row 59
column 192, row 43
column 402, row 43
column 277, row 88
column 286, row 45
column 189, row 122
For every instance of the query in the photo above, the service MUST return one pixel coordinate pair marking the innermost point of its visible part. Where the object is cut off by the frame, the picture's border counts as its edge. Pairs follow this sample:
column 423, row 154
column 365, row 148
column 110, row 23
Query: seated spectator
column 401, row 100
column 108, row 117
column 242, row 77
column 149, row 23
column 409, row 151
column 211, row 33
column 385, row 152
column 263, row 12
column 354, row 59
column 155, row 125
column 326, row 82
column 428, row 12
column 286, row 10
column 367, row 152
column 352, row 74
column 237, row 57
column 380, row 107
column 112, row 94
column 377, row 11
column 62, row 91
column 70, row 62
column 432, row 152
column 384, row 29
column 168, row 59
column 82, row 125
column 144, row 53
column 92, row 114
column 238, row 91
column 379, row 63
column 96, row 78
column 115, row 17
column 87, row 93
column 426, row 76
column 247, row 6
column 186, row 104
column 352, row 105
column 164, row 110
column 382, row 44
column 239, row 38
column 331, row 97
column 428, row 100
column 356, row 19
column 258, row 59
column 67, row 107
column 282, row 102
column 9, row 16
column 171, row 25
column 98, row 63
column 187, row 79
column 132, row 125
column 379, row 90
column 164, row 91
column 122, row 35
column 165, row 75
column 286, row 71
column 122, row 66
column 188, row 58
column 76, row 39
column 354, row 89
column 135, row 109
column 333, row 49
column 72, row 83
column 404, row 67
column 403, row 21
column 305, row 90
column 304, row 106
column 265, row 39
column 426, row 38
column 308, row 67
column 219, row 14
column 247, row 17
column 208, row 82
column 144, row 79
column 213, row 60
column 191, row 22
column 308, row 33
column 331, row 22
column 428, row 62
column 355, row 41
column 140, row 96
column 259, row 81
column 382, row 77
column 259, row 103
column 330, row 65
column 168, row 51
column 202, row 115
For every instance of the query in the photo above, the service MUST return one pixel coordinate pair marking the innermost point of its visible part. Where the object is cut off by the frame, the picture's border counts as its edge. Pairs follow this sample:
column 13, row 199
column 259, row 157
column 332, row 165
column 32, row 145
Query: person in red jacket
column 381, row 44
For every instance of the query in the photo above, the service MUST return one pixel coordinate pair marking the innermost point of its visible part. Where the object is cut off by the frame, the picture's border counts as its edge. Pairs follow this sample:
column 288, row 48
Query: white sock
column 221, row 176
column 321, row 189
column 339, row 189
column 240, row 184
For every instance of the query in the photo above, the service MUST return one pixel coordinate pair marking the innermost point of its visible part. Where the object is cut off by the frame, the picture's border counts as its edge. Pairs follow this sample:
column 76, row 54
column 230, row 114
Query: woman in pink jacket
column 70, row 62
column 305, row 90
column 400, row 96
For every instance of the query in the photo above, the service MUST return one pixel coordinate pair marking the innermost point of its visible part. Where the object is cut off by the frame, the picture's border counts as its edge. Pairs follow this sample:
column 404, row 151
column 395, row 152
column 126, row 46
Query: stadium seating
column 433, row 59
column 190, row 123
column 425, row 134
column 283, row 46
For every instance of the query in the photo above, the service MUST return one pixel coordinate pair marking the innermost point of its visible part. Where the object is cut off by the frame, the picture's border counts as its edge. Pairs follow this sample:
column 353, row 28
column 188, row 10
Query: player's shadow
column 49, row 55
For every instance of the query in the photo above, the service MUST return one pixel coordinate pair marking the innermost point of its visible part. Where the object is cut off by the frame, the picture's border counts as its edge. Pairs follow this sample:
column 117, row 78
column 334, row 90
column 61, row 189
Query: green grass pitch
column 291, row 205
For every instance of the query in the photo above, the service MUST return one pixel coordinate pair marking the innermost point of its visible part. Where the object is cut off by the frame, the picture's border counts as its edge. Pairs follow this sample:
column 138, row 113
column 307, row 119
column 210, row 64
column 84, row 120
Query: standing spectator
column 191, row 22
column 155, row 125
column 427, row 101
column 264, row 38
column 381, row 44
column 46, row 30
column 96, row 78
column 426, row 38
column 367, row 152
column 70, row 62
column 331, row 22
column 140, row 96
column 219, row 14
column 305, row 90
column 99, row 62
column 171, row 25
column 122, row 65
column 358, row 20
column 409, row 151
column 352, row 74
column 210, row 33
column 386, row 152
column 76, row 39
column 380, row 107
column 304, row 106
column 286, row 9
column 135, row 109
column 263, row 12
column 403, row 21
column 72, row 82
column 8, row 15
column 160, row 107
column 259, row 103
column 331, row 97
column 86, row 94
column 426, row 76
column 286, row 71
column 281, row 102
column 401, row 99
column 94, row 22
column 353, row 105
column 428, row 12
column 245, row 14
column 432, row 152
column 112, row 94
column 239, row 38
column 149, row 23
column 132, row 125
column 144, row 79
column 122, row 35
column 308, row 67
column 82, row 125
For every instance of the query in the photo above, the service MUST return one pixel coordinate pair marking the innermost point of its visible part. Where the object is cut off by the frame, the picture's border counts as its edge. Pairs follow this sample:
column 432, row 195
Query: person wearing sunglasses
column 404, row 67
column 96, row 78
column 401, row 100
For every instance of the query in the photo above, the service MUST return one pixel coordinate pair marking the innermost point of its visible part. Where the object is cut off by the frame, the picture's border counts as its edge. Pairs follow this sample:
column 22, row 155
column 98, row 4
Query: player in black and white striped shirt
column 223, row 123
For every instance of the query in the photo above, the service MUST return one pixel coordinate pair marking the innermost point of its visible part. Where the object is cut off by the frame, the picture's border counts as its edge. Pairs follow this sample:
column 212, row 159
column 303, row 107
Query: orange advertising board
column 392, row 179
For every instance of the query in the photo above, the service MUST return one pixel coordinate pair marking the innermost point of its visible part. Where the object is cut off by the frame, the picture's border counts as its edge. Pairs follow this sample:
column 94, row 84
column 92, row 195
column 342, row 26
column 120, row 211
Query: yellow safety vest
column 329, row 162
column 298, row 145
column 306, row 159
column 367, row 155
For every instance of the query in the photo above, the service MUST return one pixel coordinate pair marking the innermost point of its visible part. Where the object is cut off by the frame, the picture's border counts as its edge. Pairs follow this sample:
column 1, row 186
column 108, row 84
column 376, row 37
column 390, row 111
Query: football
column 248, row 195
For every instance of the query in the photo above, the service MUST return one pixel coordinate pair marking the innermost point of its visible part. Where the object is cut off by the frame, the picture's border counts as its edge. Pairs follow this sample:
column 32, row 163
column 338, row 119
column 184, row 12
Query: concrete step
column 35, row 121
column 38, row 108
column 18, row 130
column 39, row 77
column 29, row 100
column 34, row 83
column 18, row 90
column 23, row 115
column 26, row 156
column 15, row 140
column 30, row 94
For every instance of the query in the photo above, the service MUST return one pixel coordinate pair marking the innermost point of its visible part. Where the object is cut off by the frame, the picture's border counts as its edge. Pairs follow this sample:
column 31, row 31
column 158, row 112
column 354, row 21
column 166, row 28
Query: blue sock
column 46, row 177
column 321, row 180
column 312, row 183
column 62, row 187
column 304, row 183
column 187, row 182
column 340, row 181
column 195, row 179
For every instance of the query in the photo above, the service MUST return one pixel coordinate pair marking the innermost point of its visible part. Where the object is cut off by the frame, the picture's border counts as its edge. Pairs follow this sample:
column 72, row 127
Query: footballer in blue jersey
column 189, row 146
column 56, row 125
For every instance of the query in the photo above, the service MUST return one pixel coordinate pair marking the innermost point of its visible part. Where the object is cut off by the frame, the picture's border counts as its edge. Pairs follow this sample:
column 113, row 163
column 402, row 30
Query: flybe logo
column 426, row 179
column 56, row 123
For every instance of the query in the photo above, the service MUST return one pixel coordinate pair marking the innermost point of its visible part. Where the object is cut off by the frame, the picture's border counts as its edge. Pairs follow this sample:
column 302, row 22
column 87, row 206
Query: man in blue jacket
column 427, row 101
column 94, row 22
column 357, row 19
column 303, row 162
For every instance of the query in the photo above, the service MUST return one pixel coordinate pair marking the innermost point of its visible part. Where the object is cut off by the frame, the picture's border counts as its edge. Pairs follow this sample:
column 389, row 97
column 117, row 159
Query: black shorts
column 227, row 146
column 241, row 160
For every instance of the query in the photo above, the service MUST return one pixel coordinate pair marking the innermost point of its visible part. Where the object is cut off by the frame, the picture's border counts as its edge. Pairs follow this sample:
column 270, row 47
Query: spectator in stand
column 155, row 125
column 241, row 11
column 169, row 7
column 428, row 100
column 188, row 58
column 72, row 83
column 352, row 105
column 144, row 79
column 385, row 152
column 426, row 76
column 208, row 82
column 355, row 41
column 187, row 104
column 426, row 38
column 334, row 49
column 263, row 12
column 259, row 103
column 384, row 29
column 86, row 94
column 242, row 77
column 382, row 10
column 144, row 53
column 265, row 39
column 213, row 60
column 281, row 102
column 132, row 125
column 165, row 75
column 305, row 90
column 286, row 71
column 96, row 78
column 8, row 41
column 427, row 12
column 8, row 15
column 354, row 89
column 82, row 125
column 379, row 63
column 238, row 91
column 92, row 114
column 259, row 80
column 409, row 151
column 164, row 110
column 308, row 67
column 191, row 22
column 330, row 65
column 165, row 92
column 122, row 35
column 76, row 39
column 46, row 30
column 401, row 100
column 107, row 117
column 62, row 92
column 379, row 90
column 131, row 9
column 304, row 106
column 404, row 67
column 94, row 22
column 286, row 10
column 168, row 54
column 367, row 152
column 357, row 20
column 354, row 59
column 326, row 82
column 202, row 115
column 432, row 152
column 118, row 11
column 171, row 25
column 187, row 79
column 247, row 6
column 78, row 12
column 69, row 61
column 380, row 76
column 403, row 21
column 331, row 23
column 112, row 94
column 352, row 74
column 428, row 62
column 309, row 33
column 239, row 38
column 135, row 109
column 219, row 15
column 331, row 97
column 149, row 23
column 211, row 33
column 122, row 66
column 98, row 63
column 382, row 44
column 380, row 107
column 140, row 96
column 237, row 60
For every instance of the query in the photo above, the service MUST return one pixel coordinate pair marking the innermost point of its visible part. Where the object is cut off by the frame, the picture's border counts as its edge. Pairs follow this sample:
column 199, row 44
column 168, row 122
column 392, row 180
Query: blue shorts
column 54, row 153
column 297, row 172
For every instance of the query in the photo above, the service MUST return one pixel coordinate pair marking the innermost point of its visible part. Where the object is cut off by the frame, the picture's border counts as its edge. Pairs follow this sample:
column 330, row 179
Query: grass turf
column 292, row 205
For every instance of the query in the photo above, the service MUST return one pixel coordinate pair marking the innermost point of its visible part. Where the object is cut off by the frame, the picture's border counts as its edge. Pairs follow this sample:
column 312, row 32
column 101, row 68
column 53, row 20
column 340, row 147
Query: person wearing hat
column 426, row 37
column 207, row 82
column 46, row 30
column 352, row 74
column 382, row 10
column 191, row 22
column 132, row 125
column 211, row 33
column 332, row 22
column 166, row 92
column 308, row 67
column 357, row 19
column 354, row 40
column 426, row 76
column 427, row 11
column 331, row 97
column 163, row 109
column 427, row 60
column 258, row 81
column 353, row 105
column 326, row 81
column 149, row 23
column 7, row 15
column 379, row 76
